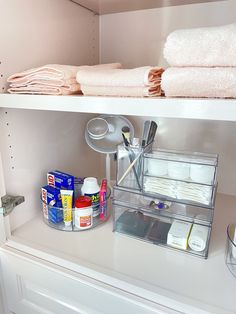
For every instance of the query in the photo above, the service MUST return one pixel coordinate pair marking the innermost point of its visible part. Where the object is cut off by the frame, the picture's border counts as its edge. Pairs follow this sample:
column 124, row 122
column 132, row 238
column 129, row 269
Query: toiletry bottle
column 91, row 188
column 83, row 217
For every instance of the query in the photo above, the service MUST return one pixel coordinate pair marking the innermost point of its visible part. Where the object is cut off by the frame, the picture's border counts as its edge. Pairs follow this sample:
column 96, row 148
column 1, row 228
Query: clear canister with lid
column 91, row 188
column 83, row 213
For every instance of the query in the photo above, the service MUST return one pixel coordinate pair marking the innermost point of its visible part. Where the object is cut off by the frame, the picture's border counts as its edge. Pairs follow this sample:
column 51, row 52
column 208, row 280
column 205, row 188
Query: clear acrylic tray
column 54, row 217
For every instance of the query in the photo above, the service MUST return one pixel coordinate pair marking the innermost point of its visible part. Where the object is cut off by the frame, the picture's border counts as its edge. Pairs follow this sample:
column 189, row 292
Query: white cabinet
column 97, row 271
column 33, row 286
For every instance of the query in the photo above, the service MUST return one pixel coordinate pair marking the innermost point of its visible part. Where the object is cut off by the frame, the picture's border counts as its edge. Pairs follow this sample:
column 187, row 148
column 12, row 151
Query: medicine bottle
column 91, row 188
column 83, row 217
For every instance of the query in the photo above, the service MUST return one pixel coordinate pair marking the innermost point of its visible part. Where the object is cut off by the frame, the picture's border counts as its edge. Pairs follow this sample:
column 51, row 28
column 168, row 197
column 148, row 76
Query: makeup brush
column 126, row 135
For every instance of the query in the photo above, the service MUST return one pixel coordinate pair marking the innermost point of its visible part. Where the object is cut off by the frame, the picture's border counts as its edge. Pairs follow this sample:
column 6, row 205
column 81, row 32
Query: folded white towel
column 208, row 46
column 48, row 78
column 218, row 82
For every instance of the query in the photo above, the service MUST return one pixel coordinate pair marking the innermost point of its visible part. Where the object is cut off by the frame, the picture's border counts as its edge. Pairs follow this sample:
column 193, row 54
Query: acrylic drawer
column 181, row 176
column 152, row 228
column 153, row 205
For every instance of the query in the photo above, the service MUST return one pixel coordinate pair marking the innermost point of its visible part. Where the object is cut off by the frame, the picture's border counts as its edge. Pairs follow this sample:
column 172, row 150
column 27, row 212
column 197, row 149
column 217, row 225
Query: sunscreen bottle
column 91, row 188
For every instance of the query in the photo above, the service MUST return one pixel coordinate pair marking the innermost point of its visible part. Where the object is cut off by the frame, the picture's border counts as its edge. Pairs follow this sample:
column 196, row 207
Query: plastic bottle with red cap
column 83, row 218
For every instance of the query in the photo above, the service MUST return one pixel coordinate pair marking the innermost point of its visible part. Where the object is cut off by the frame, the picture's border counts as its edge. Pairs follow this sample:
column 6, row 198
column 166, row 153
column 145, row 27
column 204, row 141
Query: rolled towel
column 208, row 46
column 46, row 79
column 143, row 81
column 218, row 82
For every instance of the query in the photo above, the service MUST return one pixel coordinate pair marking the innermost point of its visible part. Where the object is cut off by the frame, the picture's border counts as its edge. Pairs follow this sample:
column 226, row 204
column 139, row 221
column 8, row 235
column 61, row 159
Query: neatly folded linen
column 208, row 46
column 36, row 80
column 143, row 76
column 133, row 91
column 216, row 82
column 43, row 81
column 38, row 89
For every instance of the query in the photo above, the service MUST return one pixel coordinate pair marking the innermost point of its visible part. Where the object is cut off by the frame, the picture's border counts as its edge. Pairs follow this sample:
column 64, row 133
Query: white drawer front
column 35, row 288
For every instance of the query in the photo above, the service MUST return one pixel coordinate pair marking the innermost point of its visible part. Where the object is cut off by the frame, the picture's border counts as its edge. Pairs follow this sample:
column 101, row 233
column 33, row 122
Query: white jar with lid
column 91, row 188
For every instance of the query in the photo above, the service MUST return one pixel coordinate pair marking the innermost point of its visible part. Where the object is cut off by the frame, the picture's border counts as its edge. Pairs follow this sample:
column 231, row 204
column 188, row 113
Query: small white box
column 178, row 234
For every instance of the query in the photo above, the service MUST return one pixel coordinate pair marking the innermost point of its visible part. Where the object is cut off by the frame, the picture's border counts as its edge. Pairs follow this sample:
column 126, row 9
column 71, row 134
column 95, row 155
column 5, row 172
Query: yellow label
column 66, row 197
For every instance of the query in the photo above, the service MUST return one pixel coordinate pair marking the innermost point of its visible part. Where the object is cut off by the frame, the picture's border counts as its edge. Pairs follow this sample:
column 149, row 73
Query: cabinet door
column 33, row 286
column 2, row 193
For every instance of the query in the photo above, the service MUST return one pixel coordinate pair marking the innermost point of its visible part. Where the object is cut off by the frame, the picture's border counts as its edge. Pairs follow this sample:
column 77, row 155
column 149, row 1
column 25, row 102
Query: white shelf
column 142, row 268
column 115, row 6
column 187, row 108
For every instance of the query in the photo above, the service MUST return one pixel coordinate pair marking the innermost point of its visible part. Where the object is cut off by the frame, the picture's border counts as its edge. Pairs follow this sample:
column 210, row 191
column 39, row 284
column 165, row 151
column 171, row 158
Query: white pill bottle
column 91, row 188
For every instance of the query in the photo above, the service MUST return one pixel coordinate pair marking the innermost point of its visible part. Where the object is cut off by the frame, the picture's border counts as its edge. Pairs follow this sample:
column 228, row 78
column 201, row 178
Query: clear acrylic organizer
column 230, row 253
column 130, row 166
column 177, row 194
column 184, row 177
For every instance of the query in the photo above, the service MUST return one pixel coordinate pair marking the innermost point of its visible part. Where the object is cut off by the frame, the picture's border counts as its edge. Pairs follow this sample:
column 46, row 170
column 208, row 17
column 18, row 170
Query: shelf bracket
column 9, row 202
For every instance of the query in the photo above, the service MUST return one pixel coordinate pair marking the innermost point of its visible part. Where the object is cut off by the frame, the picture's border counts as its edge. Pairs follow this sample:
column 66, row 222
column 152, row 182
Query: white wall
column 137, row 38
column 46, row 31
column 35, row 33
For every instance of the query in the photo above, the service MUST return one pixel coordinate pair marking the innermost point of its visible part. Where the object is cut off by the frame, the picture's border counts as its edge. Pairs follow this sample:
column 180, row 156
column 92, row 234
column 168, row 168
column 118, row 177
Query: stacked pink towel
column 51, row 79
column 140, row 82
column 203, row 62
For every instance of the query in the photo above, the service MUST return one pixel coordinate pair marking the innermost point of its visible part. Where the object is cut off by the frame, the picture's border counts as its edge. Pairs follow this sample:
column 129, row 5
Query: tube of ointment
column 66, row 198
column 103, row 201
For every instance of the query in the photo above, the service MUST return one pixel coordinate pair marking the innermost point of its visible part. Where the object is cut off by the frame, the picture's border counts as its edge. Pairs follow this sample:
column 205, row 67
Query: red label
column 85, row 221
column 44, row 195
column 51, row 179
column 44, row 198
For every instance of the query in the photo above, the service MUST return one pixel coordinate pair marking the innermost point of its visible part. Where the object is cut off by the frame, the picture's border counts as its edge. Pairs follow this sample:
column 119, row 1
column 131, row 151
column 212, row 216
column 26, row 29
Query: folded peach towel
column 143, row 81
column 52, row 79
column 133, row 91
column 40, row 89
column 215, row 82
column 206, row 46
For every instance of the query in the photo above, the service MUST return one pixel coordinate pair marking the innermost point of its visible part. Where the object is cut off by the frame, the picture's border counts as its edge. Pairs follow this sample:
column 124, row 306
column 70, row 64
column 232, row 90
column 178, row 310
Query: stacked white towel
column 51, row 79
column 203, row 62
column 140, row 82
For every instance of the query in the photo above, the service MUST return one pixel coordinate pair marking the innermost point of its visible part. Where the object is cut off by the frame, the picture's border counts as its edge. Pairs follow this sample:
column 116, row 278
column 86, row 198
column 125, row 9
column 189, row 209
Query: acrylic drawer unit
column 166, row 197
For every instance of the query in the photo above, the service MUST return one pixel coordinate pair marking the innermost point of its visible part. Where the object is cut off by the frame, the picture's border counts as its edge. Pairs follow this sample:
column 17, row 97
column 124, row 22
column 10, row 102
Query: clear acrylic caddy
column 130, row 166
